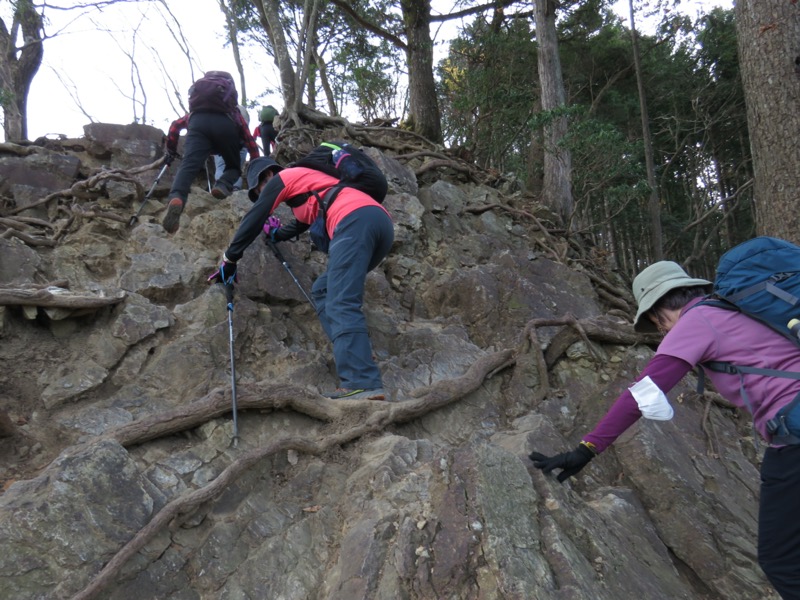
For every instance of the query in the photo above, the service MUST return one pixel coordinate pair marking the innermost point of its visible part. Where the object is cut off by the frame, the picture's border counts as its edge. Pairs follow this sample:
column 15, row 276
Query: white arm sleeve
column 653, row 403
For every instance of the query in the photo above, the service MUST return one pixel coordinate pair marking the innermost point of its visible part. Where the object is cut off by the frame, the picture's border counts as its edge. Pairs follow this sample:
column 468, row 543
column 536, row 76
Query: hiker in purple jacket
column 664, row 294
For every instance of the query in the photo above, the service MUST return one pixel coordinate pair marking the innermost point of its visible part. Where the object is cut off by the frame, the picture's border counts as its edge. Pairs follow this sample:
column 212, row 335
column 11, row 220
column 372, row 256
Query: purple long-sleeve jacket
column 708, row 333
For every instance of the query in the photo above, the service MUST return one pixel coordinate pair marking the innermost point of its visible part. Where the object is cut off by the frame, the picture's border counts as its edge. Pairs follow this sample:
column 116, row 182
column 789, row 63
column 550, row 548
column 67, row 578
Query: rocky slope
column 122, row 480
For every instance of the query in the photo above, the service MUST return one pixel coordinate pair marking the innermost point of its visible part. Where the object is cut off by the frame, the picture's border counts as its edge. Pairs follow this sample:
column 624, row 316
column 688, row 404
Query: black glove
column 287, row 232
column 570, row 462
column 278, row 235
column 226, row 274
column 169, row 157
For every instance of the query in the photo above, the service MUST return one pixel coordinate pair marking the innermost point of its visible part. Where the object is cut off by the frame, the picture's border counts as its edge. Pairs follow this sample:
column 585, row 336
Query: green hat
column 650, row 285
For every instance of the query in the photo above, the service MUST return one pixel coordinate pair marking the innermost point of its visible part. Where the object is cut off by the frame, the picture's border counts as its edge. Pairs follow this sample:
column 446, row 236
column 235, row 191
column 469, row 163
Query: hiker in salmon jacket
column 361, row 235
column 669, row 302
column 214, row 126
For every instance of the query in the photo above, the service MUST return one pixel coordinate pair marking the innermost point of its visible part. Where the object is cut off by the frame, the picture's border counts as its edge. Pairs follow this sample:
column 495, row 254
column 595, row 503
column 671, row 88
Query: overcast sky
column 87, row 71
column 91, row 68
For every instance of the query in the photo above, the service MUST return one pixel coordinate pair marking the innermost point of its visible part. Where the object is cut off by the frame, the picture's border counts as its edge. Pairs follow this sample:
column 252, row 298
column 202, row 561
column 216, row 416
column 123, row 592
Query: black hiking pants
column 268, row 136
column 207, row 134
column 779, row 520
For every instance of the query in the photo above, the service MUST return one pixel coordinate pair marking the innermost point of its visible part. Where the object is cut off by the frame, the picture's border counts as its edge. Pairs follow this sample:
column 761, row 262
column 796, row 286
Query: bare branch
column 179, row 38
column 474, row 10
column 89, row 5
column 72, row 90
column 345, row 6
column 56, row 297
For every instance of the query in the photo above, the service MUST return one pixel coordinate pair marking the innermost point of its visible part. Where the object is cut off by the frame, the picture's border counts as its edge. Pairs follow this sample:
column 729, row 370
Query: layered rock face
column 122, row 479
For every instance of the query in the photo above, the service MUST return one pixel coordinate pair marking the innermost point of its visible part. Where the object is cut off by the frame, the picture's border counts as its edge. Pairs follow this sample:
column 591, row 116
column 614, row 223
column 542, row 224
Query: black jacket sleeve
column 293, row 229
column 253, row 222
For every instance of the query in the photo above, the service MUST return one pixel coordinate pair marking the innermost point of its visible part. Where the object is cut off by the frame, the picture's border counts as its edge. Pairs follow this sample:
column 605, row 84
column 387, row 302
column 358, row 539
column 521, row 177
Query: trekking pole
column 135, row 217
column 279, row 255
column 229, row 295
column 208, row 177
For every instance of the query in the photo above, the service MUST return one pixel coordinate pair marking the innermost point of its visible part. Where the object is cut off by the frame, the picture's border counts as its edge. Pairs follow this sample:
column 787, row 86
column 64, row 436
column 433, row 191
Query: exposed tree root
column 84, row 188
column 549, row 245
column 406, row 145
column 29, row 230
column 551, row 544
column 16, row 149
column 361, row 133
column 55, row 297
column 601, row 329
column 712, row 441
column 380, row 416
column 615, row 296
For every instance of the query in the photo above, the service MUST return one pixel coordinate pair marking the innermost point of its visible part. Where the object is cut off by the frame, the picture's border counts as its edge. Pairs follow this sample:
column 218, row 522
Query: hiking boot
column 221, row 190
column 346, row 394
column 173, row 217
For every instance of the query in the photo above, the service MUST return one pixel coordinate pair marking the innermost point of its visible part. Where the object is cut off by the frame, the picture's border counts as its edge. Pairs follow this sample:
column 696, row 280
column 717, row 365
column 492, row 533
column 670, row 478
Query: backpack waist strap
column 731, row 369
column 780, row 430
column 783, row 436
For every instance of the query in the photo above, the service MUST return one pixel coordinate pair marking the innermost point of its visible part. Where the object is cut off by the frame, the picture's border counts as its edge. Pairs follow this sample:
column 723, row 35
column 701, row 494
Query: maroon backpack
column 214, row 92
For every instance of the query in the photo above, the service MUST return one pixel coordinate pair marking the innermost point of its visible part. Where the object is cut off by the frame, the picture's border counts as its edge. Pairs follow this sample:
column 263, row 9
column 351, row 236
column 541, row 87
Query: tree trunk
column 270, row 11
column 325, row 83
column 653, row 205
column 424, row 104
column 18, row 66
column 768, row 34
column 305, row 52
column 533, row 165
column 557, row 192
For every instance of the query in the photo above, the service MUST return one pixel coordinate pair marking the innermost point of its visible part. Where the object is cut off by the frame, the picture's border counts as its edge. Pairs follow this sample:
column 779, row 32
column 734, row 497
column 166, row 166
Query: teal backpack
column 761, row 279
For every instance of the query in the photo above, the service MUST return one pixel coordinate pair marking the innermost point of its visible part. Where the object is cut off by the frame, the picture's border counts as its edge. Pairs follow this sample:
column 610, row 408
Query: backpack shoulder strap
column 768, row 285
column 716, row 301
column 298, row 200
column 328, row 198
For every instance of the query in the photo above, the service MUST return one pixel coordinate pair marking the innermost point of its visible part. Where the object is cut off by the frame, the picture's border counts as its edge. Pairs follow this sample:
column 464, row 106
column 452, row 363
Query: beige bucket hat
column 652, row 283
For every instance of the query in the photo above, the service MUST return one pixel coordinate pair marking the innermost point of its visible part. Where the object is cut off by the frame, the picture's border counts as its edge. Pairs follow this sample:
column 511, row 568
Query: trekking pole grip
column 229, row 295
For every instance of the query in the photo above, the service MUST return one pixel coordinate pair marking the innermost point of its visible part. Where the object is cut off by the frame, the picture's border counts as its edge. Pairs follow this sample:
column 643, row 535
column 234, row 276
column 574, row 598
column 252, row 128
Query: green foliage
column 546, row 117
column 486, row 95
column 359, row 69
column 368, row 75
column 704, row 137
column 490, row 100
column 608, row 175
